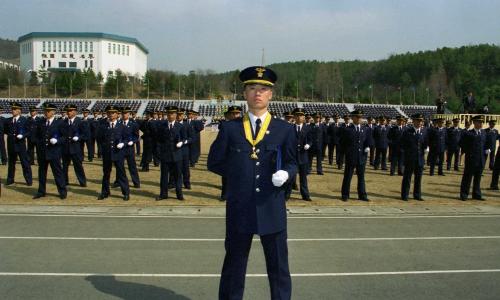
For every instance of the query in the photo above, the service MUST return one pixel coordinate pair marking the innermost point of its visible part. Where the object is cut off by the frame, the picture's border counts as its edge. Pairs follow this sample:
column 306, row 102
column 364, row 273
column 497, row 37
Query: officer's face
column 233, row 115
column 258, row 95
column 33, row 113
column 180, row 117
column 299, row 119
column 125, row 116
column 171, row 116
column 16, row 112
column 317, row 119
column 478, row 124
column 49, row 113
column 356, row 120
column 85, row 114
column 417, row 123
column 455, row 124
column 400, row 122
column 71, row 114
column 112, row 115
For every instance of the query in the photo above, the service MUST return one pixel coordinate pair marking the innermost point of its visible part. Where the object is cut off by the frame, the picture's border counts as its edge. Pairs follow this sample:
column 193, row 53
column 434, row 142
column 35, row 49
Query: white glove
column 306, row 147
column 120, row 145
column 130, row 143
column 179, row 144
column 19, row 136
column 279, row 178
column 426, row 150
column 487, row 151
column 185, row 142
column 53, row 141
column 75, row 139
column 367, row 149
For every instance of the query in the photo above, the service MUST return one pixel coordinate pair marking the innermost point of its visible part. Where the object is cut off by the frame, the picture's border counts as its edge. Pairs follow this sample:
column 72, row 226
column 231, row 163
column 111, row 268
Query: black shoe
column 29, row 183
column 404, row 199
column 222, row 199
column 364, row 199
column 144, row 170
column 38, row 196
column 187, row 187
column 83, row 185
column 307, row 199
column 137, row 186
column 63, row 196
column 344, row 199
column 480, row 198
column 90, row 159
column 392, row 174
column 9, row 183
column 441, row 174
column 494, row 188
column 126, row 197
column 102, row 197
column 171, row 186
column 419, row 198
column 180, row 197
column 115, row 185
column 159, row 198
column 320, row 173
column 463, row 199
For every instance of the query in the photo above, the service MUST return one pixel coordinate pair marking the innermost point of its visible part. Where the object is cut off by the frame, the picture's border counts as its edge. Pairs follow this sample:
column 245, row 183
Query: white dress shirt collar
column 254, row 118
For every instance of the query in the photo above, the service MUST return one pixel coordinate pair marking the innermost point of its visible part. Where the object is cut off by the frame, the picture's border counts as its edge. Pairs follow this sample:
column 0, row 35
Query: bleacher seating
column 81, row 104
column 212, row 110
column 427, row 111
column 326, row 109
column 26, row 103
column 101, row 104
column 376, row 110
column 159, row 105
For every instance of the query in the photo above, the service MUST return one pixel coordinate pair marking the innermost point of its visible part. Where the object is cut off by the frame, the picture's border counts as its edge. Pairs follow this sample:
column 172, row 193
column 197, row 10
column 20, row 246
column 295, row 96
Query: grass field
column 325, row 190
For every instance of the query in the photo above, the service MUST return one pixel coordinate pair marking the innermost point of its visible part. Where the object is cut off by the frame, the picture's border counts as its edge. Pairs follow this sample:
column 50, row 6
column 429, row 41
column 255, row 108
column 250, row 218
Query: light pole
column 179, row 90
column 8, row 79
column 86, row 88
column 357, row 93
column 41, row 84
column 342, row 93
column 55, row 89
column 427, row 90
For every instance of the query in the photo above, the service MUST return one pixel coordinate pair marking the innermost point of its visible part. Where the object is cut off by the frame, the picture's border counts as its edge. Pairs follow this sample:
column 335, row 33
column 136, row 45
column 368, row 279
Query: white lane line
column 249, row 275
column 255, row 240
column 223, row 217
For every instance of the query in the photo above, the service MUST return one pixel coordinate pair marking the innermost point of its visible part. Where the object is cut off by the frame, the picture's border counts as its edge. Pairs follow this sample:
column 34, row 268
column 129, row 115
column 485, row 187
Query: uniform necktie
column 257, row 126
column 112, row 125
column 15, row 120
column 170, row 126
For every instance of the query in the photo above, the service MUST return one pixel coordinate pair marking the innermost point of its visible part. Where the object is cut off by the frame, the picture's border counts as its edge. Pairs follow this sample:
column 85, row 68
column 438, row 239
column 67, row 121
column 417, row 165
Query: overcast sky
column 224, row 35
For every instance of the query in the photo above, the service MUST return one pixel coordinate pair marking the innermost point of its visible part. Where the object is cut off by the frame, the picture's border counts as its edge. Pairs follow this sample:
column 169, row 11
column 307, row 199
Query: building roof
column 98, row 35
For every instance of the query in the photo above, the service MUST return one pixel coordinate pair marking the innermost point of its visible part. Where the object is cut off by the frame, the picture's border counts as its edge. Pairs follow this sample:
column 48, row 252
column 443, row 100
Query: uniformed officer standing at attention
column 414, row 144
column 381, row 144
column 318, row 138
column 355, row 145
column 397, row 153
column 333, row 133
column 3, row 152
column 197, row 127
column 492, row 137
column 112, row 136
column 132, row 134
column 453, row 135
column 186, row 144
column 476, row 150
column 496, row 172
column 148, row 135
column 303, row 144
column 32, row 121
column 233, row 112
column 75, row 133
column 437, row 144
column 170, row 135
column 49, row 144
column 88, row 142
column 257, row 154
column 17, row 130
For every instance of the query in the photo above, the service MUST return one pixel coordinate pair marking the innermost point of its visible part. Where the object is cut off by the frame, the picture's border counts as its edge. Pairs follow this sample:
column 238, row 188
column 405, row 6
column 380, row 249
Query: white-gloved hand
column 487, row 151
column 130, row 143
column 53, row 141
column 185, row 142
column 426, row 150
column 279, row 178
column 120, row 145
column 367, row 149
column 306, row 147
column 75, row 139
column 179, row 144
column 19, row 136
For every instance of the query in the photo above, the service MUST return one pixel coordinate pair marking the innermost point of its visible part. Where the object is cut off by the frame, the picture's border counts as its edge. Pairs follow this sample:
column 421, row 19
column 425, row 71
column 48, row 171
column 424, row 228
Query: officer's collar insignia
column 260, row 72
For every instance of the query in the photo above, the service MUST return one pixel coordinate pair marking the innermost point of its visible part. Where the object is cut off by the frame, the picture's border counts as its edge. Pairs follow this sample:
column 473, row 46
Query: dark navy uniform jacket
column 12, row 130
column 32, row 124
column 353, row 144
column 380, row 136
column 453, row 136
column 45, row 149
column 492, row 137
column 109, row 138
column 318, row 137
column 333, row 133
column 254, row 204
column 303, row 138
column 79, row 129
column 188, row 133
column 132, row 135
column 474, row 146
column 414, row 146
column 167, row 140
column 394, row 135
column 437, row 139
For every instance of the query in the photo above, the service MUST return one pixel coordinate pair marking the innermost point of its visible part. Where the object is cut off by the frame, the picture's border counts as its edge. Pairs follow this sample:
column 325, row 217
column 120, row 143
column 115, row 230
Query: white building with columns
column 79, row 51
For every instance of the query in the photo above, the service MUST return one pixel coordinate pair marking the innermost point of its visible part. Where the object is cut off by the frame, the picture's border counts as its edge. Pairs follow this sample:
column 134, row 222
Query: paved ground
column 436, row 252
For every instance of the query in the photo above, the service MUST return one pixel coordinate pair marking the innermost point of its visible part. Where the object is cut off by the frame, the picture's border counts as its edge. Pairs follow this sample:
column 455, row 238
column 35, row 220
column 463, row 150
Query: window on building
column 43, row 46
column 54, row 46
column 70, row 46
column 72, row 64
column 63, row 55
column 64, row 47
column 52, row 56
column 49, row 63
column 86, row 64
column 62, row 64
column 91, row 64
column 71, row 55
column 49, row 48
column 91, row 46
column 43, row 63
column 59, row 46
column 128, row 50
column 109, row 48
column 123, row 49
column 114, row 48
column 81, row 47
column 86, row 47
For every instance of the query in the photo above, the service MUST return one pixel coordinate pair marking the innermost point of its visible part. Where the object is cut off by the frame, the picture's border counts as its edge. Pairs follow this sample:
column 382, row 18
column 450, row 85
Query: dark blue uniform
column 32, row 139
column 148, row 133
column 474, row 144
column 371, row 129
column 109, row 137
column 318, row 138
column 496, row 171
column 303, row 139
column 397, row 153
column 169, row 135
column 492, row 137
column 195, row 147
column 333, row 133
column 437, row 145
column 89, row 142
column 50, row 154
column 254, row 204
column 3, row 152
column 16, row 147
column 132, row 135
column 414, row 143
column 72, row 150
column 381, row 144
column 188, row 141
column 453, row 135
column 354, row 142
